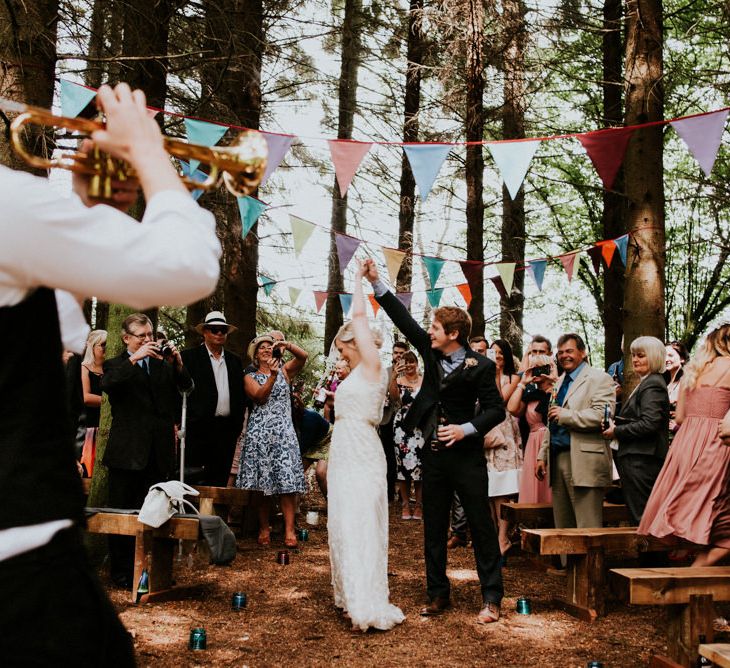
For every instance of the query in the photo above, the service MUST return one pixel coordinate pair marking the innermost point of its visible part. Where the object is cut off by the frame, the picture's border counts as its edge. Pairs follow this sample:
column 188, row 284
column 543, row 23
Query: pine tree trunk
column 347, row 102
column 27, row 68
column 614, row 213
column 232, row 93
column 95, row 70
column 644, row 290
column 513, row 211
column 412, row 103
column 474, row 154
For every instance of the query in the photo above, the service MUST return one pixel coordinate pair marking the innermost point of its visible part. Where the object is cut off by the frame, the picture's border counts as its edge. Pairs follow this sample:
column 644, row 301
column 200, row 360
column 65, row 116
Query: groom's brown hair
column 452, row 319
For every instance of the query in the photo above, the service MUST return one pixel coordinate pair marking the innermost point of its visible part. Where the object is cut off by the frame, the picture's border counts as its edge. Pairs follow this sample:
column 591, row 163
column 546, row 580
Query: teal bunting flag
column 434, row 296
column 267, row 284
column 345, row 302
column 201, row 132
column 537, row 269
column 426, row 161
column 74, row 98
column 433, row 265
column 197, row 176
column 622, row 245
column 250, row 209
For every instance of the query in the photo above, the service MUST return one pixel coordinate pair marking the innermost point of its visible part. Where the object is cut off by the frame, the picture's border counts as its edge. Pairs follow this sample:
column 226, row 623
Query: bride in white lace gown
column 357, row 504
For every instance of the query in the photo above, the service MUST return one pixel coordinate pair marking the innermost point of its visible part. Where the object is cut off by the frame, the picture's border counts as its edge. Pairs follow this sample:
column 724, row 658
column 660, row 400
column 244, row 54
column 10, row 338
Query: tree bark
column 95, row 70
column 644, row 290
column 347, row 102
column 613, row 217
column 412, row 103
column 513, row 210
column 474, row 120
column 27, row 69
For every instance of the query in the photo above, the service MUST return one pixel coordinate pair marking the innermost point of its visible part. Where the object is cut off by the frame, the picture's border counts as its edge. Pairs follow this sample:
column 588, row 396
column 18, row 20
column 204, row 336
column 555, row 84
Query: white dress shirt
column 220, row 373
column 51, row 241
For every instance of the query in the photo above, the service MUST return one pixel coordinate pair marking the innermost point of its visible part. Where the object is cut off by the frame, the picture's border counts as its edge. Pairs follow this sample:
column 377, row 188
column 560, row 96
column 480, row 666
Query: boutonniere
column 470, row 362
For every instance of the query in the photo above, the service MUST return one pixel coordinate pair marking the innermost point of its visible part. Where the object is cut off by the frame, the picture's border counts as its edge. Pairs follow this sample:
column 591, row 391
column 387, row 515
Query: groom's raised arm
column 401, row 318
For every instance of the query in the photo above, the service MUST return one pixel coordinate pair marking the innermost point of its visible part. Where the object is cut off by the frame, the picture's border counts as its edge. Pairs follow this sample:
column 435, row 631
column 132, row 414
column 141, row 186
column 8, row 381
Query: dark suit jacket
column 458, row 392
column 202, row 401
column 643, row 425
column 144, row 409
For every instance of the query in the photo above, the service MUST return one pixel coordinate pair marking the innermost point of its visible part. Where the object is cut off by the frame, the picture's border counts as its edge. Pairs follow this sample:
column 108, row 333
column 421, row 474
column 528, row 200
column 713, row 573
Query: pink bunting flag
column 346, row 157
column 374, row 304
column 606, row 149
column 346, row 247
column 568, row 262
column 465, row 291
column 278, row 146
column 320, row 297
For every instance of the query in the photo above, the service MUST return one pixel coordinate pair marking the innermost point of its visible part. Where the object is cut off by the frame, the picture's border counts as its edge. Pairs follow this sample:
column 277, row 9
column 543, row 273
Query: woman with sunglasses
column 91, row 373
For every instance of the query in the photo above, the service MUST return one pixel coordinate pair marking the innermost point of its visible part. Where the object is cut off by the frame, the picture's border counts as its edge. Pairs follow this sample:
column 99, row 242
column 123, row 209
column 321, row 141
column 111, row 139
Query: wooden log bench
column 154, row 549
column 689, row 592
column 540, row 515
column 585, row 550
column 718, row 653
column 220, row 500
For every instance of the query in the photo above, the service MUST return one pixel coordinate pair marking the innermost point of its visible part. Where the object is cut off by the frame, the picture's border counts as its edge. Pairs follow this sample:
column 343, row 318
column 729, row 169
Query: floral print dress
column 407, row 444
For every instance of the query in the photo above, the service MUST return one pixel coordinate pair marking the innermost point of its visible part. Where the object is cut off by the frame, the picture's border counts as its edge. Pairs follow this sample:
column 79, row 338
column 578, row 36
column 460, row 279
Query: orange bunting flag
column 608, row 248
column 374, row 304
column 320, row 297
column 465, row 291
column 568, row 262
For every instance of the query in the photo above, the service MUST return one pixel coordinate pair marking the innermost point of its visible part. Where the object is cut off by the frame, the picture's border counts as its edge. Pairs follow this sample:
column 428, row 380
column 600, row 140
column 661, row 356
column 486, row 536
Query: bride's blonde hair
column 346, row 334
column 717, row 344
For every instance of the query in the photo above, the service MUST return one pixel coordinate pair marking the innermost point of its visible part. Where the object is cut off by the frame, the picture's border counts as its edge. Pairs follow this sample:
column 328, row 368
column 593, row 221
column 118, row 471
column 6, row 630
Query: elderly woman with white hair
column 640, row 429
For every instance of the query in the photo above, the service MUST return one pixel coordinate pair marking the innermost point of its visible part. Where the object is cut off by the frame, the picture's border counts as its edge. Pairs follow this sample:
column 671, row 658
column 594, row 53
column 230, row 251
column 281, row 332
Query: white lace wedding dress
column 357, row 505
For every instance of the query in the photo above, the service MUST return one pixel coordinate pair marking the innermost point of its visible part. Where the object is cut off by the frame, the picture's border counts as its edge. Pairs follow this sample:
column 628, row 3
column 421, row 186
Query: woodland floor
column 290, row 619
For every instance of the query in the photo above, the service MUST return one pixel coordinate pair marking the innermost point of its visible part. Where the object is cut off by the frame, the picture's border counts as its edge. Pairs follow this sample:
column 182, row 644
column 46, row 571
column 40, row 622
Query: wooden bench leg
column 585, row 584
column 686, row 624
column 157, row 556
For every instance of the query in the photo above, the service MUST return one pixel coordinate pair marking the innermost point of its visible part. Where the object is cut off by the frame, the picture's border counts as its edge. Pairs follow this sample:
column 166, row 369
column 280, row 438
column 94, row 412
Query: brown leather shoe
column 455, row 541
column 488, row 614
column 436, row 607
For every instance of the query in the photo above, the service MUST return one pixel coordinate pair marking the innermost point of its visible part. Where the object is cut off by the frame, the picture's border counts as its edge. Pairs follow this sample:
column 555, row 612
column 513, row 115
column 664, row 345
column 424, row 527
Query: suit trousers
column 128, row 489
column 55, row 612
column 638, row 474
column 386, row 438
column 463, row 471
column 211, row 443
column 573, row 507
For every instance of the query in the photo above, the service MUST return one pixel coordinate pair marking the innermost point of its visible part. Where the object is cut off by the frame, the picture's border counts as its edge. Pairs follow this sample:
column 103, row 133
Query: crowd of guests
column 570, row 431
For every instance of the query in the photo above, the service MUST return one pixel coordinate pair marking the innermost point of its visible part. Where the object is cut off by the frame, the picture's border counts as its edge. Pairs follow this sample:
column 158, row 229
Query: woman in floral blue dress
column 270, row 459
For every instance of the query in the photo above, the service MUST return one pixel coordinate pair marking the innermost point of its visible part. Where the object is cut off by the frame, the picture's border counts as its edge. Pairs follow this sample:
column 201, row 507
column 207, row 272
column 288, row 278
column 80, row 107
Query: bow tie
column 446, row 358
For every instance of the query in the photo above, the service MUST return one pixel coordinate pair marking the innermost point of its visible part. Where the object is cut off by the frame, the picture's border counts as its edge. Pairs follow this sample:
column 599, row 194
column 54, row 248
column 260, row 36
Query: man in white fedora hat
column 216, row 406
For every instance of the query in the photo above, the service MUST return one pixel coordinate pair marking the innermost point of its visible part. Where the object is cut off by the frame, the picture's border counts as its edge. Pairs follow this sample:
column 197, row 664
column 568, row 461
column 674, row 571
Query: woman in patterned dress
column 270, row 459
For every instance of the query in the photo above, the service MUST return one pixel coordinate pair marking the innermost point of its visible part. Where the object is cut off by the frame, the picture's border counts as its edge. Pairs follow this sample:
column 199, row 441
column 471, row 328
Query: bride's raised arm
column 369, row 355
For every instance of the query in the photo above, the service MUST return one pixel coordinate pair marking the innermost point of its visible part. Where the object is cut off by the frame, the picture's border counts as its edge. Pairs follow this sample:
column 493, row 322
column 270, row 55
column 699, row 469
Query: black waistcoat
column 38, row 477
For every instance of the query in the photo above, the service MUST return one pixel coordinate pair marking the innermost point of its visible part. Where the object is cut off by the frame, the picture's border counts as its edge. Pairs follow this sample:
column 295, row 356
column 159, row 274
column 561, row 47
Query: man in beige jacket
column 579, row 458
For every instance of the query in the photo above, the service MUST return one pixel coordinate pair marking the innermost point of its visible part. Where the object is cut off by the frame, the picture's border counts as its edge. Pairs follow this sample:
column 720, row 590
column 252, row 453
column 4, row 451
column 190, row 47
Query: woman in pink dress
column 531, row 398
column 691, row 498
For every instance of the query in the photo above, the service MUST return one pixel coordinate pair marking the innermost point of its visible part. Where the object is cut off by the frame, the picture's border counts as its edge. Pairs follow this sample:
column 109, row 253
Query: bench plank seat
column 541, row 514
column 718, row 653
column 218, row 500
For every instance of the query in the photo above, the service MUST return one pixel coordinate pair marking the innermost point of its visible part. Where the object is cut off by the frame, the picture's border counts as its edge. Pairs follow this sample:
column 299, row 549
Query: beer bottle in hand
column 441, row 421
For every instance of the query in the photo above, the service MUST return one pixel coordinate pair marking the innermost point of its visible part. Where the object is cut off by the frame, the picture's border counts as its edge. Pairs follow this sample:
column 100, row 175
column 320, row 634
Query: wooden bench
column 220, row 500
column 689, row 593
column 158, row 543
column 585, row 550
column 540, row 515
column 718, row 653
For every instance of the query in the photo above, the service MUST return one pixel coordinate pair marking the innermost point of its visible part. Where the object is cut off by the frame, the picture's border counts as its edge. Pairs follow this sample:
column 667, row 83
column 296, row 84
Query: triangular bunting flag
column 434, row 296
column 345, row 302
column 595, row 253
column 507, row 274
column 513, row 159
column 606, row 149
column 278, row 146
column 537, row 269
column 197, row 176
column 267, row 284
column 497, row 281
column 301, row 230
column 294, row 295
column 465, row 291
column 346, row 247
column 703, row 135
column 608, row 248
column 346, row 157
column 433, row 265
column 622, row 243
column 202, row 132
column 74, row 98
column 374, row 304
column 426, row 161
column 472, row 271
column 393, row 260
column 250, row 209
column 405, row 298
column 320, row 297
column 568, row 262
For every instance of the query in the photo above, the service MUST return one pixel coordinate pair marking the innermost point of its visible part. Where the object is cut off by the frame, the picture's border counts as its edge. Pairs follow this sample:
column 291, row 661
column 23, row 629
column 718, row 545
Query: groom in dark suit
column 455, row 379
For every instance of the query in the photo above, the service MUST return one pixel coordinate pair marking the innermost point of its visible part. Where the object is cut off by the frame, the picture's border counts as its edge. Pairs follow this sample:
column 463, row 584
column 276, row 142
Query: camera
column 276, row 353
column 165, row 349
column 543, row 370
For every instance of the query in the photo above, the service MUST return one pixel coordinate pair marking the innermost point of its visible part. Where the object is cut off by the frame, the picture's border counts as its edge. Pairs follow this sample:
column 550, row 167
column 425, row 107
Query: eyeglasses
column 142, row 337
column 217, row 330
column 102, row 345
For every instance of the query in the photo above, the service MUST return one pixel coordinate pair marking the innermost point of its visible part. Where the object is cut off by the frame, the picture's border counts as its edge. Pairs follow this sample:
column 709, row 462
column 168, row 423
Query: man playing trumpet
column 48, row 242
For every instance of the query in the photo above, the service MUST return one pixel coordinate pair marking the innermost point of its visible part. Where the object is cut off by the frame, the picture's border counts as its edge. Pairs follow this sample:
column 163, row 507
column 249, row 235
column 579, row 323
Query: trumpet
column 240, row 165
